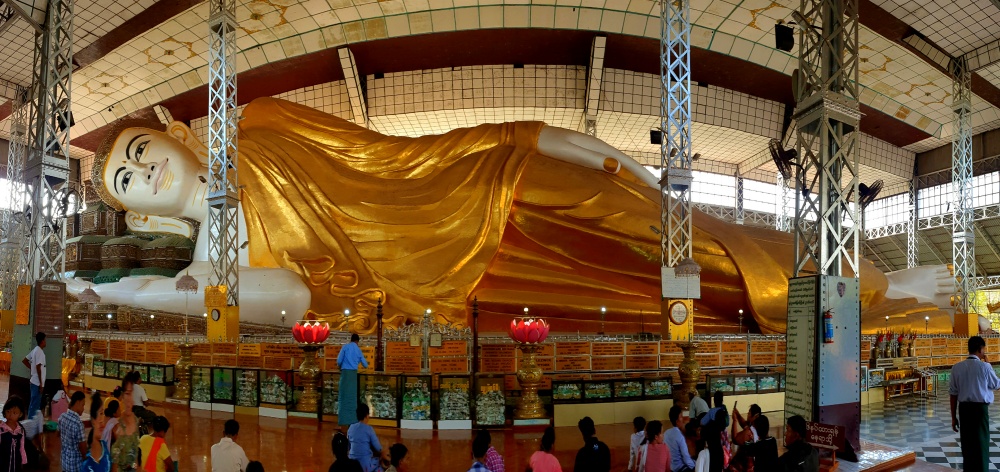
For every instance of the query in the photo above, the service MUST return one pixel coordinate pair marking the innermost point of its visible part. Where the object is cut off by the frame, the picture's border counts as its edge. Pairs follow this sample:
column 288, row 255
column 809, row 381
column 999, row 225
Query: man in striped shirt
column 971, row 388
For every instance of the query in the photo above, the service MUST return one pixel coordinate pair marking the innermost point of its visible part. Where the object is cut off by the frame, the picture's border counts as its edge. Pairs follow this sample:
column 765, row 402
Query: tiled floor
column 923, row 424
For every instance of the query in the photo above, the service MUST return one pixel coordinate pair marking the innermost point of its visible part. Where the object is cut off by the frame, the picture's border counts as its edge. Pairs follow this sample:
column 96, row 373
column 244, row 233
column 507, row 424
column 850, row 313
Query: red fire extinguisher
column 828, row 327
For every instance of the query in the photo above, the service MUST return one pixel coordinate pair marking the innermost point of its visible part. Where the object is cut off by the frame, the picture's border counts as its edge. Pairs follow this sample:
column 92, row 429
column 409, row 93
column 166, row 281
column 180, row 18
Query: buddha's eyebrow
column 128, row 152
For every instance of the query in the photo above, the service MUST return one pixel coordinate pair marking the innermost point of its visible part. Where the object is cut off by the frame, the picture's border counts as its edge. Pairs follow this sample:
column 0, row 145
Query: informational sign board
column 50, row 308
column 800, row 367
column 825, row 436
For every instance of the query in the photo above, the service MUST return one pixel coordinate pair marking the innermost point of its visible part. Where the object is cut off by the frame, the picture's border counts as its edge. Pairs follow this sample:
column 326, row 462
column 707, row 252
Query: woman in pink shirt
column 653, row 454
column 543, row 460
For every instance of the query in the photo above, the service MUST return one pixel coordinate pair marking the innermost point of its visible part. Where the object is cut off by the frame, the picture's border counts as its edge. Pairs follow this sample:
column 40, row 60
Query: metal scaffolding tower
column 679, row 273
column 12, row 245
column 827, row 114
column 963, row 237
column 47, row 167
column 740, row 214
column 782, row 220
column 223, row 190
column 824, row 313
column 912, row 250
column 675, row 122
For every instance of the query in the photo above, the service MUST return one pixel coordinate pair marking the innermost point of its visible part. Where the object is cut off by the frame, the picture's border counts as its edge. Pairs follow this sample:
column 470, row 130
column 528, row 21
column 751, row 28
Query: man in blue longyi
column 348, row 359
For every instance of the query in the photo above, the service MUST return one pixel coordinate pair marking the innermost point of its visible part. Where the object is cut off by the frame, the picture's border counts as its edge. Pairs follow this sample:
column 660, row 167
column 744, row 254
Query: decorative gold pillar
column 529, row 376
column 690, row 373
column 309, row 374
column 182, row 391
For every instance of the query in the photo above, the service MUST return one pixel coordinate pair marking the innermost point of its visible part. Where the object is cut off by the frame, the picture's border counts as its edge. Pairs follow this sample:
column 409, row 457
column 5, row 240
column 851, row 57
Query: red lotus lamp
column 529, row 333
column 310, row 332
column 529, row 330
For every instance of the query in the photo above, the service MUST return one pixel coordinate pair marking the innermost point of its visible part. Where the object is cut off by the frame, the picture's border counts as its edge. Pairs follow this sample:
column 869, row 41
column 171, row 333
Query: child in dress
column 653, row 456
column 12, row 454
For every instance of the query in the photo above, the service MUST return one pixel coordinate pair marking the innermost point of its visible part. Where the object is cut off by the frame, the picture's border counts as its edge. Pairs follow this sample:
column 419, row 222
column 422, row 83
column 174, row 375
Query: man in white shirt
column 227, row 456
column 139, row 399
column 35, row 362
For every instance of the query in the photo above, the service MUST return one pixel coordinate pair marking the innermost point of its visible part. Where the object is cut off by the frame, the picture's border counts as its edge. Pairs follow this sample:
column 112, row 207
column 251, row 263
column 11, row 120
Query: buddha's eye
column 126, row 179
column 140, row 150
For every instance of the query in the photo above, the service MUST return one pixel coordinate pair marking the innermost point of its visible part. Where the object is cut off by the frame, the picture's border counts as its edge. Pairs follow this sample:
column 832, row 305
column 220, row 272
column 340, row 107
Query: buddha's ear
column 157, row 224
column 183, row 133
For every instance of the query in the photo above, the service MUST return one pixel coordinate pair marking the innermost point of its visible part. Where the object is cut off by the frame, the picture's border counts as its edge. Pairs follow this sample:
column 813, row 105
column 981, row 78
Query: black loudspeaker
column 784, row 37
column 655, row 136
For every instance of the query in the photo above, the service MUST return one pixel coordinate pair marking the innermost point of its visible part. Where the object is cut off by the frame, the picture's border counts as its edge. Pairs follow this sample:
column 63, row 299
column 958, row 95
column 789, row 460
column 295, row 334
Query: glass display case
column 111, row 369
column 331, row 393
column 247, row 392
column 628, row 389
column 157, row 375
column 745, row 383
column 453, row 399
column 381, row 394
column 491, row 402
column 864, row 378
column 201, row 384
column 222, row 385
column 719, row 383
column 597, row 391
column 276, row 387
column 782, row 382
column 143, row 371
column 567, row 391
column 99, row 367
column 768, row 382
column 124, row 369
column 417, row 398
column 658, row 388
column 168, row 374
column 876, row 377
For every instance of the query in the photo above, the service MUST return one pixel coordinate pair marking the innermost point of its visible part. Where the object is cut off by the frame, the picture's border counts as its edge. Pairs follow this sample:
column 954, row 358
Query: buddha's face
column 149, row 172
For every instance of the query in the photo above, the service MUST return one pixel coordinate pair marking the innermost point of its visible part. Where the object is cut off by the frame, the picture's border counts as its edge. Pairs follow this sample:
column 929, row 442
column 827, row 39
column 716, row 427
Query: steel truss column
column 740, row 214
column 223, row 190
column 824, row 328
column 47, row 168
column 782, row 222
column 963, row 238
column 595, row 76
column 827, row 114
column 13, row 245
column 680, row 275
column 912, row 249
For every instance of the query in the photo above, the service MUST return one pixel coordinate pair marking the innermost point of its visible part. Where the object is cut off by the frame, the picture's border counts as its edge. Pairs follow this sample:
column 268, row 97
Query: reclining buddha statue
column 337, row 217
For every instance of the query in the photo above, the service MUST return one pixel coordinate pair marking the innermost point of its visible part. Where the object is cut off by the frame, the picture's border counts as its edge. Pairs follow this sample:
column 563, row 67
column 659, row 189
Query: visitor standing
column 348, row 359
column 493, row 460
column 13, row 457
column 98, row 457
column 543, row 460
column 155, row 453
column 971, row 388
column 365, row 447
column 74, row 444
column 35, row 362
column 594, row 456
column 139, row 399
column 635, row 440
column 112, row 412
column 680, row 456
column 125, row 439
column 800, row 456
column 341, row 455
column 698, row 405
column 227, row 456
